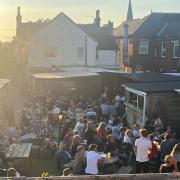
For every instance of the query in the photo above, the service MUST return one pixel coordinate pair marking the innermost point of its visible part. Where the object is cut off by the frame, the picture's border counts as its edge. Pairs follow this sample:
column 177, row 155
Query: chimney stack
column 97, row 20
column 125, row 43
column 18, row 22
column 110, row 26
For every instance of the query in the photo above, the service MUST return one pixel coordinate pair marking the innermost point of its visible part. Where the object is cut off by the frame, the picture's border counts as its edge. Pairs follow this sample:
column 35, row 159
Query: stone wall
column 172, row 176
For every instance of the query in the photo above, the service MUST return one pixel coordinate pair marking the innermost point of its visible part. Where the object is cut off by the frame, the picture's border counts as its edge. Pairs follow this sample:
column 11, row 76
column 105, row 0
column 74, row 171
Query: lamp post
column 60, row 123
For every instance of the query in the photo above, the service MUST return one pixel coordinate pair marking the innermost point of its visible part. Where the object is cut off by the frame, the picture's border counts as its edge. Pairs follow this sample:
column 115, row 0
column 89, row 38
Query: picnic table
column 19, row 155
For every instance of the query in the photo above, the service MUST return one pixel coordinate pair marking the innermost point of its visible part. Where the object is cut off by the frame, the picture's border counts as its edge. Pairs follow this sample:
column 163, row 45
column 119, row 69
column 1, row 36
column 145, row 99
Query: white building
column 61, row 42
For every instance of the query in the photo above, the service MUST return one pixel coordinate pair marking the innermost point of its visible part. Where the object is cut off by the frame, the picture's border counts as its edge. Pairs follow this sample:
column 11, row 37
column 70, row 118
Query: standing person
column 92, row 160
column 142, row 146
column 166, row 146
column 101, row 132
column 80, row 126
column 105, row 110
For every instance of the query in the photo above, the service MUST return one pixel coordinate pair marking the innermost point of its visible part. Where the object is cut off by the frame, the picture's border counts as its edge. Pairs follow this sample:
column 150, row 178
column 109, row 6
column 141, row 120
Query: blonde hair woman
column 128, row 138
column 176, row 154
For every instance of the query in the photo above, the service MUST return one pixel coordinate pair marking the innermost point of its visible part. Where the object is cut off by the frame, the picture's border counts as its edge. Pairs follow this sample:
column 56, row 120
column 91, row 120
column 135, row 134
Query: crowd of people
column 91, row 131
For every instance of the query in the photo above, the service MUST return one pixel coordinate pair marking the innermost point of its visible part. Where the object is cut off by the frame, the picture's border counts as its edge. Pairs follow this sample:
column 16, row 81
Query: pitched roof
column 159, row 25
column 132, row 27
column 105, row 40
column 172, row 30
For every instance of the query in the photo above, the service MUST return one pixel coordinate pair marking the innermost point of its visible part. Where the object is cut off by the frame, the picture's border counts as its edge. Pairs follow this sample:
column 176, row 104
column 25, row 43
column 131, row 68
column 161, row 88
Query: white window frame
column 176, row 44
column 50, row 50
column 163, row 48
column 144, row 46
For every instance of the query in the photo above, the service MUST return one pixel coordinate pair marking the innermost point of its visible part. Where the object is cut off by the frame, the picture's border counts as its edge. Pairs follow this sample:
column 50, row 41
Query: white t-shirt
column 92, row 162
column 143, row 145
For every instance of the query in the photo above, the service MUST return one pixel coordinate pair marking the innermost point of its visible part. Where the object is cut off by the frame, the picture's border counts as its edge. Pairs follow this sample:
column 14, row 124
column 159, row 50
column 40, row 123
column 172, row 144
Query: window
column 135, row 100
column 143, row 47
column 50, row 52
column 163, row 50
column 176, row 49
column 80, row 52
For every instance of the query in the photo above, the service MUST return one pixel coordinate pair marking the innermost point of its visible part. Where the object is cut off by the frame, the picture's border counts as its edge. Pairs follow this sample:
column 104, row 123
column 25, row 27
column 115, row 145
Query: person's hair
column 123, row 129
column 76, row 132
column 109, row 137
column 115, row 121
column 151, row 137
column 90, row 123
column 62, row 145
column 136, row 125
column 101, row 125
column 144, row 132
column 128, row 132
column 11, row 172
column 176, row 149
column 75, row 140
column 67, row 172
column 168, row 158
column 80, row 148
column 92, row 147
column 167, row 136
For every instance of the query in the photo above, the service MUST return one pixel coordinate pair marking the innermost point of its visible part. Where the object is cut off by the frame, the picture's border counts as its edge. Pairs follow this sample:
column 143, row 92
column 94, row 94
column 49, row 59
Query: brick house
column 150, row 43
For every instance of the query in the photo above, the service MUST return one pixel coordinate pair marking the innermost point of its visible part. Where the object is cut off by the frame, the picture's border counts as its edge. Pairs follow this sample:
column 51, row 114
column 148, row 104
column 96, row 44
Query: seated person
column 92, row 160
column 62, row 155
column 111, row 146
column 169, row 166
column 67, row 172
column 79, row 163
column 11, row 172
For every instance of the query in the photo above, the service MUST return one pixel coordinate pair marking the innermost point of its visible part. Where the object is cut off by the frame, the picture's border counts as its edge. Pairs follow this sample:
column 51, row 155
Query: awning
column 63, row 75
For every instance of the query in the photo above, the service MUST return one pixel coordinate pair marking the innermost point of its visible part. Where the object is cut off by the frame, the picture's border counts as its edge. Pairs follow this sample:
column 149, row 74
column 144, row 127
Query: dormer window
column 143, row 47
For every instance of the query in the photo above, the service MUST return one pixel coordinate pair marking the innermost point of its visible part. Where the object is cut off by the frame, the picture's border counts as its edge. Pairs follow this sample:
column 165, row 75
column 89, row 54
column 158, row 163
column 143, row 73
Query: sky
column 81, row 11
